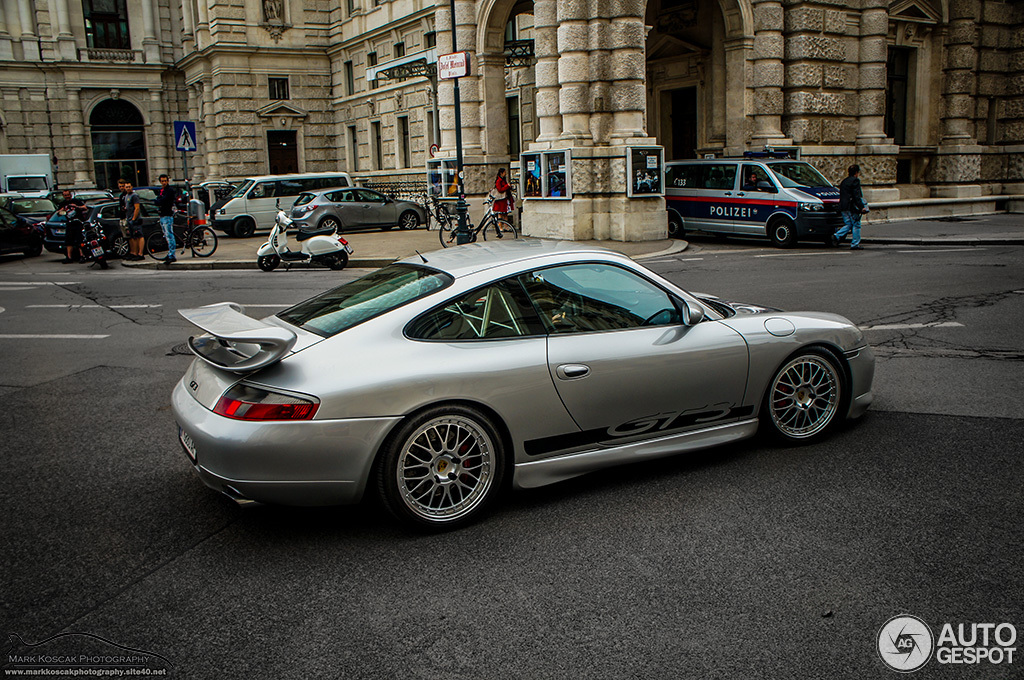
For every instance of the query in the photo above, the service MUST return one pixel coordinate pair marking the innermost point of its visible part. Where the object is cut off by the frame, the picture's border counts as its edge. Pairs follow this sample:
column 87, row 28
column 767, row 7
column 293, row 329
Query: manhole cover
column 180, row 349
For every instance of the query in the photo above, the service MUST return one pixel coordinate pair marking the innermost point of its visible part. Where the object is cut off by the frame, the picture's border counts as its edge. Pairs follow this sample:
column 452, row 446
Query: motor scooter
column 321, row 247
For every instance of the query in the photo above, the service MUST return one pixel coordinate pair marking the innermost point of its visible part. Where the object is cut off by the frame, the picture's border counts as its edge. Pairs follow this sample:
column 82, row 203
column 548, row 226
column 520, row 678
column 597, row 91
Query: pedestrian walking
column 165, row 201
column 852, row 205
column 74, row 211
column 504, row 201
column 133, row 214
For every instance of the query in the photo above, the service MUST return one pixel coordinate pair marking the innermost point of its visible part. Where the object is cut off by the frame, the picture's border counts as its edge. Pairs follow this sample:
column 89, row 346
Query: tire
column 268, row 263
column 34, row 251
column 501, row 230
column 446, row 235
column 156, row 245
column 119, row 246
column 203, row 241
column 675, row 226
column 782, row 233
column 245, row 227
column 338, row 262
column 441, row 468
column 408, row 220
column 804, row 397
column 330, row 223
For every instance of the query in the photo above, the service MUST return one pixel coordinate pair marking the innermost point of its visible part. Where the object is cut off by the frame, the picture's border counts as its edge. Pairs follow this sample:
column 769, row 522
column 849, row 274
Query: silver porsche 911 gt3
column 438, row 379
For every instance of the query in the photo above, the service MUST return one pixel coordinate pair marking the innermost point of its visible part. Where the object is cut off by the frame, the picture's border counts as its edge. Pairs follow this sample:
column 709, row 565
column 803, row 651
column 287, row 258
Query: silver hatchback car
column 438, row 379
column 355, row 208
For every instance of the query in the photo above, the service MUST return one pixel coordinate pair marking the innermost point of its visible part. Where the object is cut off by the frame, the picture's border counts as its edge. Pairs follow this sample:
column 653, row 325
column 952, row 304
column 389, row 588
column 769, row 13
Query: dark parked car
column 19, row 235
column 81, row 194
column 34, row 209
column 354, row 208
column 106, row 213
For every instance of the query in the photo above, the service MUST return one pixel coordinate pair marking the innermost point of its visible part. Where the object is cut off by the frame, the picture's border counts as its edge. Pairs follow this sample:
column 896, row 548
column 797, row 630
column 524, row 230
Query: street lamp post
column 462, row 230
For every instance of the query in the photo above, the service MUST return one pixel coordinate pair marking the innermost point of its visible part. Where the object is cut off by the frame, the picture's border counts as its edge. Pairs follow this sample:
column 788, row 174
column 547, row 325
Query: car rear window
column 303, row 199
column 32, row 205
column 381, row 291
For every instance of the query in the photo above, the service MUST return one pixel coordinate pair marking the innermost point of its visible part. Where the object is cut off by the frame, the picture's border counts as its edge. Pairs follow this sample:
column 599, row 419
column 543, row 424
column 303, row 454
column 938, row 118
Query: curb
column 952, row 241
column 206, row 265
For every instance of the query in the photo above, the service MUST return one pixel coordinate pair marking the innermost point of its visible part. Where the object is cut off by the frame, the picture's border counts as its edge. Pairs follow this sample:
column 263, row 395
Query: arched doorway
column 118, row 143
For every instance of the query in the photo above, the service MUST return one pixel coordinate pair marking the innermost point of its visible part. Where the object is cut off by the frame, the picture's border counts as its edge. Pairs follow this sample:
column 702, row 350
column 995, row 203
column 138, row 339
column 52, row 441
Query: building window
column 350, row 7
column 430, row 39
column 897, row 86
column 106, row 24
column 512, row 108
column 118, row 143
column 371, row 60
column 353, row 149
column 350, row 79
column 278, row 88
column 399, row 50
column 404, row 159
column 378, row 151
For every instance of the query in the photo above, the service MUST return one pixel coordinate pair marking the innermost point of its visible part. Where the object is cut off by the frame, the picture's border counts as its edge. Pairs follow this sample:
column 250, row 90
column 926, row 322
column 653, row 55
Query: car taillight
column 309, row 207
column 247, row 402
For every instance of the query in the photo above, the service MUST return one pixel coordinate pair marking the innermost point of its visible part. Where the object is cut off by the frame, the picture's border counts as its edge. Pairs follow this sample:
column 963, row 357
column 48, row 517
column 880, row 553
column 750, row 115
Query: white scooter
column 322, row 247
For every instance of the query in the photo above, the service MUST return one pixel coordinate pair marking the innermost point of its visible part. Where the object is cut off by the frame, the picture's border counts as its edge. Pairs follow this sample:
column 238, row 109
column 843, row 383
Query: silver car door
column 376, row 208
column 623, row 362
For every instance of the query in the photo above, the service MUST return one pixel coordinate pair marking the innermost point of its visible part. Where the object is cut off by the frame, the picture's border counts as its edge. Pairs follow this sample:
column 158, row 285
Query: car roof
column 473, row 258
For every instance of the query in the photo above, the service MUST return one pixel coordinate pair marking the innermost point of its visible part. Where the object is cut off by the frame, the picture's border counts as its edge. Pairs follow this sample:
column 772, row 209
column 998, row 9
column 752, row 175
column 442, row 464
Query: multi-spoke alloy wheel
column 442, row 467
column 804, row 396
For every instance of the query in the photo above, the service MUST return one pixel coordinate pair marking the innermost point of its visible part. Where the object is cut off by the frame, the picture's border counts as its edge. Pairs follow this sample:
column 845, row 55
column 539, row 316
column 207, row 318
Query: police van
column 761, row 194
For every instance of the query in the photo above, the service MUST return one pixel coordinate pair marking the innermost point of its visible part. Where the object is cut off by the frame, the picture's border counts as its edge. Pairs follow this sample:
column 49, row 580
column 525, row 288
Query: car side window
column 718, row 176
column 7, row 219
column 370, row 196
column 752, row 174
column 585, row 298
column 263, row 190
column 335, row 196
column 682, row 177
column 500, row 310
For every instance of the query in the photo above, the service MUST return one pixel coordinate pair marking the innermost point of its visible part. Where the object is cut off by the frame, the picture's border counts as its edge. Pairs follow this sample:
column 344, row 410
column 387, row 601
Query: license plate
column 348, row 249
column 186, row 441
column 58, row 232
column 97, row 252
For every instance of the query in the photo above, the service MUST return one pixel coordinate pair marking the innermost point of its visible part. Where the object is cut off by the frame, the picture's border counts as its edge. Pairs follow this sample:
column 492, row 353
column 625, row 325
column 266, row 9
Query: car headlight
column 811, row 207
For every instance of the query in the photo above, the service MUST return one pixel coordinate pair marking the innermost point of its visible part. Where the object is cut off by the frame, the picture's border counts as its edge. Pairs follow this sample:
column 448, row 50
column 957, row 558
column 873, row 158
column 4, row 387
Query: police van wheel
column 675, row 226
column 783, row 233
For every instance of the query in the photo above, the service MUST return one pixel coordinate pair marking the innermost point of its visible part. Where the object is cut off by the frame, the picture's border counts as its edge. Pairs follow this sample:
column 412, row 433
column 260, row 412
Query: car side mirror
column 692, row 314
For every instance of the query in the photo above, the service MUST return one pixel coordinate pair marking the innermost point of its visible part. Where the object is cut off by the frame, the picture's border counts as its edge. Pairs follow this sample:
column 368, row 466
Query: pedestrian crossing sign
column 184, row 135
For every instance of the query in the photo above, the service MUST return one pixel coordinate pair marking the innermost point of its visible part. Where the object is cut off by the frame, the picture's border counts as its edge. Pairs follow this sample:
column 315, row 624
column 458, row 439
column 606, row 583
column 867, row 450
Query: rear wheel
column 675, row 226
column 338, row 262
column 441, row 468
column 501, row 229
column 34, row 251
column 156, row 245
column 203, row 242
column 245, row 227
column 408, row 220
column 268, row 263
column 782, row 232
column 330, row 223
column 804, row 396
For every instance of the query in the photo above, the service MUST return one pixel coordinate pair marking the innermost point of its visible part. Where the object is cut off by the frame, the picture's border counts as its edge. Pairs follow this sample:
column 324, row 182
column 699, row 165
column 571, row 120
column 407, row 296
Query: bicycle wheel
column 503, row 229
column 203, row 241
column 156, row 245
column 446, row 232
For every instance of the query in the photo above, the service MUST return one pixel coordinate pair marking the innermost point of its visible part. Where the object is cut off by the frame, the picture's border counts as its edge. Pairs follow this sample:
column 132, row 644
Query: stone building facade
column 926, row 95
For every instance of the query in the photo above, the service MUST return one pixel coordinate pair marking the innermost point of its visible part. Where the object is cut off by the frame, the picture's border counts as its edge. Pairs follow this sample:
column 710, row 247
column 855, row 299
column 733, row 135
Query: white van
column 253, row 205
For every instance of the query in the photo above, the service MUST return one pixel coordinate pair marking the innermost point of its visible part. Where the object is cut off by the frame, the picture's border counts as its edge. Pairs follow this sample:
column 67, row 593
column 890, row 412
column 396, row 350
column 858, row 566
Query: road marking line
column 283, row 304
column 795, row 254
column 904, row 326
column 942, row 250
column 38, row 283
column 53, row 336
column 91, row 306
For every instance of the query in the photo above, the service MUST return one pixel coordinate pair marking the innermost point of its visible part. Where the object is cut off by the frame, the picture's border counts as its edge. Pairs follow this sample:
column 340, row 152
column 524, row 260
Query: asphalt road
column 750, row 561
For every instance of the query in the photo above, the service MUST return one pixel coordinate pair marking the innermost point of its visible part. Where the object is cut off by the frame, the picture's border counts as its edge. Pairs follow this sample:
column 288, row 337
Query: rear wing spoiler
column 236, row 342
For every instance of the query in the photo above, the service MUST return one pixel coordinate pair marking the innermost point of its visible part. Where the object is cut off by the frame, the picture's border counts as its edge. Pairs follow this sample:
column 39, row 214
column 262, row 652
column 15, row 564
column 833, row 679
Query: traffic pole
column 461, row 209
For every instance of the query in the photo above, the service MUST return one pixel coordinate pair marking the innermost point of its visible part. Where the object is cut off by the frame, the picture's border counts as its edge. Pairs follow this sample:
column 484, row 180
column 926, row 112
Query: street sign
column 184, row 135
column 454, row 65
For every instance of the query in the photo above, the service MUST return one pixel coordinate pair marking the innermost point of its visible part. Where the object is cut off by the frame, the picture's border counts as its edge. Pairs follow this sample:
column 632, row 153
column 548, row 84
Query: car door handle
column 572, row 371
column 728, row 193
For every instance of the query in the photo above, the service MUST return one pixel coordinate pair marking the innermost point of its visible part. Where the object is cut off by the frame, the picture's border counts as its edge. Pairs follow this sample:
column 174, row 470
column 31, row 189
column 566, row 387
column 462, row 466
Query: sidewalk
column 374, row 249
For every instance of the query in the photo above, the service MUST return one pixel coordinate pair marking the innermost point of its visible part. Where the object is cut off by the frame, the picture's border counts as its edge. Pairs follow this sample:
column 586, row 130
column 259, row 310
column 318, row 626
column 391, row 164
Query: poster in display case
column 441, row 178
column 547, row 174
column 645, row 171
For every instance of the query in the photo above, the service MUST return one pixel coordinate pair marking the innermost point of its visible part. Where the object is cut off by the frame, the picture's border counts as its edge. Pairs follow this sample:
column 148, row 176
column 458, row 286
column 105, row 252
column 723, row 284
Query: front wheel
column 244, row 227
column 782, row 233
column 503, row 229
column 675, row 226
column 442, row 468
column 408, row 220
column 203, row 241
column 804, row 396
column 119, row 246
column 156, row 245
column 268, row 263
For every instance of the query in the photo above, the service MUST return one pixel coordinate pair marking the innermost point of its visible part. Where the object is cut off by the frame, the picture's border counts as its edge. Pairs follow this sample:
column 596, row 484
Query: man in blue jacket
column 851, row 205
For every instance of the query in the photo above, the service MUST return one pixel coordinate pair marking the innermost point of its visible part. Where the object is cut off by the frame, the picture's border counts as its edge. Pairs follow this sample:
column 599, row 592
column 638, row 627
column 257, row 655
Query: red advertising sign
column 454, row 65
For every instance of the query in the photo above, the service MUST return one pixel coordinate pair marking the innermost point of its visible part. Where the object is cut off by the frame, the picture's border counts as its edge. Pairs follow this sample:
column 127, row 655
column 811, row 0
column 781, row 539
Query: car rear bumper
column 317, row 462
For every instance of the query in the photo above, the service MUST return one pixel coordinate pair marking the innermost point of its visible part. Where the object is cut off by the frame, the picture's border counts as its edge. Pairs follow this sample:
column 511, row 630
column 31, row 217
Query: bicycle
column 200, row 239
column 502, row 228
column 436, row 210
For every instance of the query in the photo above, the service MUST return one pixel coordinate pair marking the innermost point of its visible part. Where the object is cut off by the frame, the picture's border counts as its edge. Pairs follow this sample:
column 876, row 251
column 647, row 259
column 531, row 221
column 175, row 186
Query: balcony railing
column 104, row 54
column 518, row 53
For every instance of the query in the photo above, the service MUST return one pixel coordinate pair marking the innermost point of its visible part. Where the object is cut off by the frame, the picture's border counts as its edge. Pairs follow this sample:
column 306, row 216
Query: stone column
column 79, row 141
column 6, row 45
column 574, row 71
column 465, row 22
column 445, row 88
column 957, row 163
column 874, row 26
column 159, row 134
column 601, row 118
column 29, row 44
column 545, row 45
column 209, row 128
column 737, row 54
column 769, row 49
column 65, row 40
column 198, row 172
column 150, row 45
column 628, row 72
column 187, row 25
column 491, row 70
column 202, row 24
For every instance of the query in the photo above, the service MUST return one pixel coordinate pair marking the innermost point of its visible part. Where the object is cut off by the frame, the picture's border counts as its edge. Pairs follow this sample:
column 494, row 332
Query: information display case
column 441, row 178
column 547, row 174
column 645, row 171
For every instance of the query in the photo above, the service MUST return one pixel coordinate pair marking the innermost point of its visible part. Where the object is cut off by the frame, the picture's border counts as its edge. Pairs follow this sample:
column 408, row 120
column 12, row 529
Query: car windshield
column 32, row 205
column 376, row 293
column 798, row 175
column 26, row 183
column 240, row 191
column 303, row 199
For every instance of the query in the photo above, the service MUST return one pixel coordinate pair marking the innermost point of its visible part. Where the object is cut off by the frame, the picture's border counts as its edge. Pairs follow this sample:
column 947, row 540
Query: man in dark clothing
column 121, row 198
column 133, row 213
column 74, row 211
column 165, row 200
column 851, row 205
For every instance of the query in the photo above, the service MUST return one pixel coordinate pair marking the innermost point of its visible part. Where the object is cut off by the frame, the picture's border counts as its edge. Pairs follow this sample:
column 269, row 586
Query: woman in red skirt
column 503, row 203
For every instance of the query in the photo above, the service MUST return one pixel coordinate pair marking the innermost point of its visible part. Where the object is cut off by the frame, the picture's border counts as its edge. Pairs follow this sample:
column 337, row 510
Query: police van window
column 682, row 177
column 718, row 176
column 752, row 174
